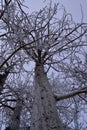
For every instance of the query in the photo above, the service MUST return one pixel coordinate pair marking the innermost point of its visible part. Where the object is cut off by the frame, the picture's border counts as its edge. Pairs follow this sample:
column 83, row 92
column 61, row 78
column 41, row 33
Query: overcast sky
column 71, row 6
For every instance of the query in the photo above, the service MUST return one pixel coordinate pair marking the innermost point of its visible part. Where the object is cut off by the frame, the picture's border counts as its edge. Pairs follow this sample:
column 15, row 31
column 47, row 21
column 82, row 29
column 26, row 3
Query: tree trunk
column 44, row 112
column 15, row 119
column 3, row 78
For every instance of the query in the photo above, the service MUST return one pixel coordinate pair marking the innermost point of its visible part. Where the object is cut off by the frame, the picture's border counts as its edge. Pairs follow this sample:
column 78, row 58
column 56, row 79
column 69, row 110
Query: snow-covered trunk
column 44, row 112
column 14, row 123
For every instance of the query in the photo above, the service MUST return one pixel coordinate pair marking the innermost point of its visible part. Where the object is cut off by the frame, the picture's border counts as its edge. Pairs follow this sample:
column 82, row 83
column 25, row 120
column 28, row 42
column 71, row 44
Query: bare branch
column 70, row 95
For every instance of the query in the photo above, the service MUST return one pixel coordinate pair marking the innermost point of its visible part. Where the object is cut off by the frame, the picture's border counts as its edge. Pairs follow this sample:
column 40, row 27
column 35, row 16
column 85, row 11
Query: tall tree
column 52, row 40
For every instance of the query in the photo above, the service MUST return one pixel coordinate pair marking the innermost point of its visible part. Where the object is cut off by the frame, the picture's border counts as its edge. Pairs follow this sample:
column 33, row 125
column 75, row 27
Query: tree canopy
column 52, row 93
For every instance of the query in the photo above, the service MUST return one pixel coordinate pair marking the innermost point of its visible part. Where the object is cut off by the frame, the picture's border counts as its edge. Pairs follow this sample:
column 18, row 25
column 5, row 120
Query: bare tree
column 14, row 123
column 53, row 39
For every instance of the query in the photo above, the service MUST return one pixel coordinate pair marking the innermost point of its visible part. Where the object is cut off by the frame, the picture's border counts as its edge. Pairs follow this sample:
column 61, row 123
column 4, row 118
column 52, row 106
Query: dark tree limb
column 70, row 95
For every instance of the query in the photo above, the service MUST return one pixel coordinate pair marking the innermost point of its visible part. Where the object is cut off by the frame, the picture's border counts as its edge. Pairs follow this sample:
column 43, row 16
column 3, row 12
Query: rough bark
column 14, row 123
column 44, row 112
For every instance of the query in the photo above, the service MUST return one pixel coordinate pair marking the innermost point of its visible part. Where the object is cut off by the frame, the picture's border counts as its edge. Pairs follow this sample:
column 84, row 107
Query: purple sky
column 71, row 6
